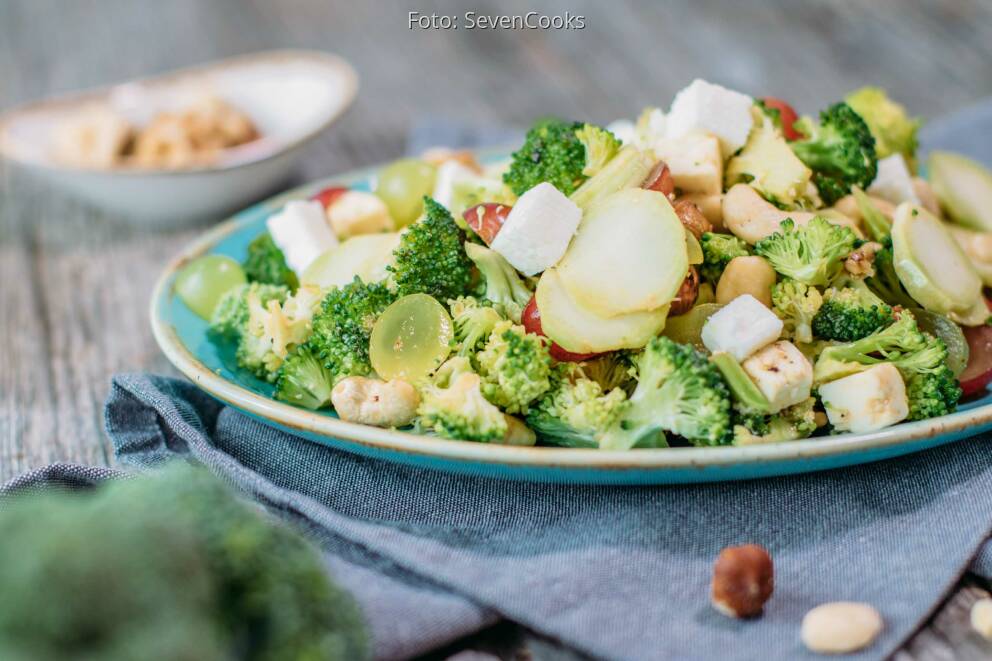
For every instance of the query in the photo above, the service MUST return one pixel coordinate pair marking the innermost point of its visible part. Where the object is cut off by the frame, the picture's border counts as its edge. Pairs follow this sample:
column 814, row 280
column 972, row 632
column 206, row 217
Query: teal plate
column 211, row 366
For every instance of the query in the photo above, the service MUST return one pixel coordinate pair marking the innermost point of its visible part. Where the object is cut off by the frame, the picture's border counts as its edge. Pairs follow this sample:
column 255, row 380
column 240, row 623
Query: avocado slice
column 964, row 188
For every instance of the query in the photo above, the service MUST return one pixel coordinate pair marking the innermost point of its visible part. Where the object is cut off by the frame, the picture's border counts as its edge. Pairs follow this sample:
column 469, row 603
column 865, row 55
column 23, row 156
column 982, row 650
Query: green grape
column 202, row 282
column 688, row 328
column 948, row 331
column 402, row 186
column 411, row 338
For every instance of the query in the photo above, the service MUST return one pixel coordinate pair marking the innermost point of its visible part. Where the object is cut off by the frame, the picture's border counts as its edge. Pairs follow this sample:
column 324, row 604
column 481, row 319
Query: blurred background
column 75, row 282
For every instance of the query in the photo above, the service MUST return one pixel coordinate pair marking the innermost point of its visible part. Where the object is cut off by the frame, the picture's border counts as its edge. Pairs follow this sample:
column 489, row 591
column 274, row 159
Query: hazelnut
column 840, row 627
column 686, row 296
column 743, row 580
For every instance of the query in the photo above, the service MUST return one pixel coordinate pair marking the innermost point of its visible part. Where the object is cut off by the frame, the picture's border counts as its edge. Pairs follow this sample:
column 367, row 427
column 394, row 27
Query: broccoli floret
column 613, row 370
column 170, row 565
column 600, row 146
column 796, row 304
column 933, row 393
column 515, row 367
column 773, row 114
column 885, row 282
column 575, row 410
column 473, row 322
column 343, row 326
column 840, row 151
column 274, row 330
column 812, row 254
column 718, row 250
column 769, row 166
column 790, row 424
column 894, row 131
column 679, row 391
column 850, row 313
column 431, row 256
column 458, row 410
column 304, row 380
column 902, row 344
column 503, row 285
column 551, row 152
column 266, row 263
column 230, row 317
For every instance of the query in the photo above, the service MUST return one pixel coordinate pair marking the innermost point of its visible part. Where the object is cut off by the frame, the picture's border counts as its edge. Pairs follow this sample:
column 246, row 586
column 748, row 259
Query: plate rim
column 408, row 443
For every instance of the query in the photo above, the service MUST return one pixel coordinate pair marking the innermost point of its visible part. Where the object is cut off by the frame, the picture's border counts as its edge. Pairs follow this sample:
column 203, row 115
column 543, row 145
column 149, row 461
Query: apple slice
column 579, row 330
column 629, row 255
column 365, row 256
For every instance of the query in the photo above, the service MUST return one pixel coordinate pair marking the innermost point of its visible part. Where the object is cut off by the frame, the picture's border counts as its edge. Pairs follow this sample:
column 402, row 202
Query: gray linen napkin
column 613, row 572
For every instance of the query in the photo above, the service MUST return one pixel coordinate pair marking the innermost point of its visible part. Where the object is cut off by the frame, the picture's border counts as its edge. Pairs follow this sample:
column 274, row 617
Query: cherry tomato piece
column 487, row 219
column 660, row 179
column 328, row 196
column 531, row 320
column 788, row 116
column 978, row 374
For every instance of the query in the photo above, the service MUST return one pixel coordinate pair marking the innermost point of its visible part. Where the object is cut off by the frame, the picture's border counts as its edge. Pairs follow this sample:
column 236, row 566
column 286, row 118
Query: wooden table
column 75, row 282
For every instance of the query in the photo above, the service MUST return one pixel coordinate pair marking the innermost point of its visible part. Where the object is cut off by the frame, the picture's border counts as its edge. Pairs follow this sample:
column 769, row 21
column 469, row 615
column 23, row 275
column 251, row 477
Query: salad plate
column 212, row 366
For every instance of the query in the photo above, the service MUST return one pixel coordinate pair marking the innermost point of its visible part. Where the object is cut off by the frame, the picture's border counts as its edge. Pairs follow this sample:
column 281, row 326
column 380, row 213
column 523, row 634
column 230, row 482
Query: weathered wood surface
column 74, row 283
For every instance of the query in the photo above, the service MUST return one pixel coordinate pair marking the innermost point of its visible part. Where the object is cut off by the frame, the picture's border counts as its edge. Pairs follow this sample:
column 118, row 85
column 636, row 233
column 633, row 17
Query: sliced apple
column 578, row 330
column 629, row 254
column 963, row 187
column 365, row 256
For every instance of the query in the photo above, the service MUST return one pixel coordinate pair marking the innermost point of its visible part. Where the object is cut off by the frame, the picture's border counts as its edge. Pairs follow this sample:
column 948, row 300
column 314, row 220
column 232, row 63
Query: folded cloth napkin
column 612, row 572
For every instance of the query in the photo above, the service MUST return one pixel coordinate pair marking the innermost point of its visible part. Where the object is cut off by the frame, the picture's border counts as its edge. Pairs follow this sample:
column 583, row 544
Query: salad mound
column 724, row 273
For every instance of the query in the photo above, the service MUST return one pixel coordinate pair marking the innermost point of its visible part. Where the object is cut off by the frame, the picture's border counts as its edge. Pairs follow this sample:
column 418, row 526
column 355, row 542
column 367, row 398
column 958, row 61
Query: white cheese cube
column 695, row 162
column 741, row 327
column 538, row 229
column 357, row 212
column 301, row 232
column 782, row 373
column 893, row 181
column 866, row 401
column 710, row 108
column 449, row 174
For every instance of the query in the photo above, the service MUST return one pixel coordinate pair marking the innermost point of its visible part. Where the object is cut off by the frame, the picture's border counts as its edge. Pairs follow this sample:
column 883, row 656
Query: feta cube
column 538, row 229
column 893, row 181
column 782, row 373
column 710, row 108
column 695, row 162
column 741, row 327
column 357, row 212
column 449, row 174
column 301, row 232
column 866, row 401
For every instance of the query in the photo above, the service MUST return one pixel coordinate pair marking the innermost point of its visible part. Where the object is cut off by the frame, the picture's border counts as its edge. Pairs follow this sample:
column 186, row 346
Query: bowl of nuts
column 184, row 146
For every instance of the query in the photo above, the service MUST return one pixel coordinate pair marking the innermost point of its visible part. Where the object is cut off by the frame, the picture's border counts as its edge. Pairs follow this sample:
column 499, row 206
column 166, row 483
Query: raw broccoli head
column 902, row 343
column 430, row 258
column 170, row 566
column 850, row 313
column 840, row 151
column 275, row 329
column 343, row 326
column 503, row 285
column 679, row 391
column 473, row 321
column 556, row 151
column 718, row 250
column 304, row 380
column 459, row 410
column 515, row 367
column 933, row 393
column 894, row 131
column 812, row 254
column 266, row 263
column 773, row 114
column 885, row 281
column 790, row 424
column 599, row 146
column 575, row 411
column 230, row 317
column 613, row 370
column 797, row 305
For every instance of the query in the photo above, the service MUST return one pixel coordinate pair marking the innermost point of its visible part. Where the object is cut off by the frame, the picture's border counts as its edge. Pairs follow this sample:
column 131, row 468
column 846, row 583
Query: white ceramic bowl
column 292, row 96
